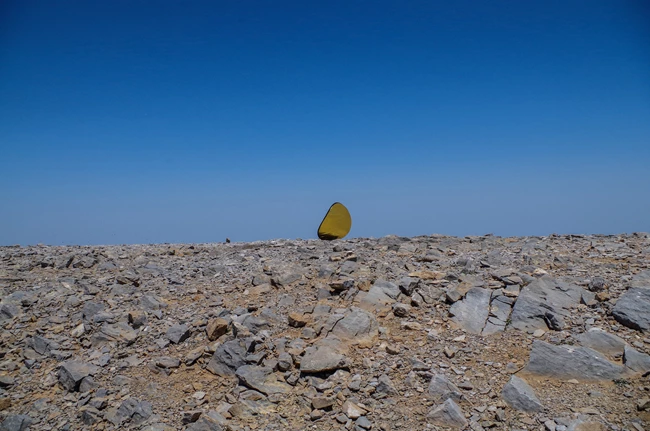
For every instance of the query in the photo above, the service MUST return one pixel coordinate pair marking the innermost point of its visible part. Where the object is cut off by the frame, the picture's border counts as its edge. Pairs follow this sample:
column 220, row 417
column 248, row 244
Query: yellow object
column 336, row 224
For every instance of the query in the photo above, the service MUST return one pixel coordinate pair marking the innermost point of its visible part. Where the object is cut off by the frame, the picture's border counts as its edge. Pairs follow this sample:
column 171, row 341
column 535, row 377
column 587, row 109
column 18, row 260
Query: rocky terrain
column 424, row 333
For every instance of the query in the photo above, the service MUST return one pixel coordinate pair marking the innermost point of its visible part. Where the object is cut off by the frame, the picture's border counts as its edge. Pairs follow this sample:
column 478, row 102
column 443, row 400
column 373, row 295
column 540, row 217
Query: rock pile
column 434, row 332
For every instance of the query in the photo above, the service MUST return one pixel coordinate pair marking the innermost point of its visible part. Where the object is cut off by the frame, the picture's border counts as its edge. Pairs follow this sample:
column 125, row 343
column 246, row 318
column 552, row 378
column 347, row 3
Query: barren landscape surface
column 423, row 333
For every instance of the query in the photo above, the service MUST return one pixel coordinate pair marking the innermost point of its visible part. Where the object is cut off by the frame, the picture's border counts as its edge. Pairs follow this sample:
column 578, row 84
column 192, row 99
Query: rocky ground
column 424, row 333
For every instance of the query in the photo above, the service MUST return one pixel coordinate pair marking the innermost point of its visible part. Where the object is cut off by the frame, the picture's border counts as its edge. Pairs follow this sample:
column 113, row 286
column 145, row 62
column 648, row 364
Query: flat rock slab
column 321, row 359
column 636, row 361
column 178, row 333
column 520, row 396
column 571, row 362
column 633, row 309
column 441, row 389
column 356, row 326
column 472, row 312
column 448, row 414
column 16, row 423
column 602, row 341
column 71, row 373
column 119, row 332
column 381, row 294
column 641, row 279
column 544, row 304
column 227, row 358
column 261, row 379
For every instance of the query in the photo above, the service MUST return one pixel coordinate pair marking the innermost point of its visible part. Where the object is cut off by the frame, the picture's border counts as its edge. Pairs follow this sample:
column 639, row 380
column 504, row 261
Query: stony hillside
column 424, row 333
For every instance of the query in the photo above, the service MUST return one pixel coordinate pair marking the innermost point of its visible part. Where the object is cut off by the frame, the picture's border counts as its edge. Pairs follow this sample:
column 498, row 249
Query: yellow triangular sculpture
column 336, row 224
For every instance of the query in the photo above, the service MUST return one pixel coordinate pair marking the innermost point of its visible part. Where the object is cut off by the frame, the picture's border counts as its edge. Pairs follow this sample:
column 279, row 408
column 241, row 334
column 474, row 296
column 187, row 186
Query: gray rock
column 254, row 324
column 90, row 415
column 42, row 345
column 520, row 396
column 6, row 381
column 158, row 427
column 408, row 285
column 641, row 279
column 597, row 284
column 386, row 386
column 390, row 289
column 571, row 362
column 636, row 361
column 120, row 331
column 16, row 423
column 137, row 411
column 167, row 362
column 321, row 359
column 441, row 389
column 544, row 301
column 472, row 312
column 261, row 379
column 204, row 424
column 90, row 309
column 285, row 361
column 363, row 422
column 448, row 414
column 401, row 310
column 9, row 311
column 603, row 342
column 71, row 374
column 227, row 358
column 178, row 333
column 633, row 309
column 376, row 297
column 356, row 326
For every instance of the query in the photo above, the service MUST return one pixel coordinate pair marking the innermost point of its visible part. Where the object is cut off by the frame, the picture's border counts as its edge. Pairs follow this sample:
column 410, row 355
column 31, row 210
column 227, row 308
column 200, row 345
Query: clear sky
column 168, row 121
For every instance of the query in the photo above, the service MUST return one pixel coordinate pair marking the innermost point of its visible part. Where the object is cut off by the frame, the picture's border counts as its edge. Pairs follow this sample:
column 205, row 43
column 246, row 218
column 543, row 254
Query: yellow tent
column 336, row 224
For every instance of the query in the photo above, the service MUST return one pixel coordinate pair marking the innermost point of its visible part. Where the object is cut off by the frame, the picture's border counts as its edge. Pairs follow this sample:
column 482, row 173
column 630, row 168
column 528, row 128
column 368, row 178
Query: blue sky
column 165, row 121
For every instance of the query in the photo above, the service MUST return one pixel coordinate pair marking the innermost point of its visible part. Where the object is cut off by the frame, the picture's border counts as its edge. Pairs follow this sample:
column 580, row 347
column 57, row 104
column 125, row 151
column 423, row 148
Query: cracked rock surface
column 422, row 333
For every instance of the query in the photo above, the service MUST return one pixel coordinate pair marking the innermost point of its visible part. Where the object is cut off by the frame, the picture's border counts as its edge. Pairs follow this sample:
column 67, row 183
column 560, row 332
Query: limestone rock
column 520, row 396
column 633, row 309
column 571, row 362
column 471, row 313
column 448, row 414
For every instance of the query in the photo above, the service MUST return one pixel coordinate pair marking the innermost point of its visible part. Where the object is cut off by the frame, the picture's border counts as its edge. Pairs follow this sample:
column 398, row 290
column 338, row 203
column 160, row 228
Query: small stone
column 168, row 362
column 401, row 310
column 16, row 423
column 137, row 319
column 539, row 333
column 78, row 331
column 352, row 410
column 450, row 352
column 520, row 396
column 392, row 350
column 298, row 320
column 72, row 373
column 90, row 415
column 320, row 359
column 285, row 361
column 178, row 333
column 448, row 414
column 597, row 284
column 322, row 403
column 363, row 422
column 5, row 403
column 216, row 328
column 190, row 417
column 316, row 414
column 643, row 404
column 6, row 381
column 602, row 296
column 550, row 425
